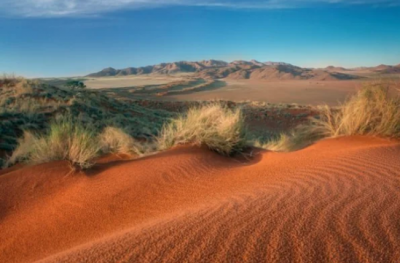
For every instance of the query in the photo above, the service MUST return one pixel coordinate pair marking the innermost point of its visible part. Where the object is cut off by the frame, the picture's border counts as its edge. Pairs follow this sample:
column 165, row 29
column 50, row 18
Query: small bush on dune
column 18, row 85
column 295, row 140
column 283, row 143
column 219, row 128
column 372, row 111
column 23, row 150
column 117, row 141
column 75, row 84
column 8, row 80
column 23, row 87
column 66, row 140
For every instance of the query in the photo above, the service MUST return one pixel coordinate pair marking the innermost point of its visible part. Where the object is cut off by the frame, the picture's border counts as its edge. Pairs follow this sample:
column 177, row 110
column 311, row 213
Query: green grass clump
column 66, row 140
column 218, row 127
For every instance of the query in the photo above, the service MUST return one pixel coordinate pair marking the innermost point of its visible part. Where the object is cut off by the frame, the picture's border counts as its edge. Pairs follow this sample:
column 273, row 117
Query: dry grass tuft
column 372, row 111
column 9, row 80
column 22, row 152
column 219, row 128
column 283, row 143
column 23, row 87
column 295, row 140
column 116, row 140
column 66, row 140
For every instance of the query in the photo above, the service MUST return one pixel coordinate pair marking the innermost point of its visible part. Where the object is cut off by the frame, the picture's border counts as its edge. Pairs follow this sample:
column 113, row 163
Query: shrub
column 8, row 80
column 23, row 87
column 295, row 140
column 372, row 111
column 75, row 84
column 66, row 140
column 117, row 141
column 219, row 128
column 23, row 150
column 282, row 143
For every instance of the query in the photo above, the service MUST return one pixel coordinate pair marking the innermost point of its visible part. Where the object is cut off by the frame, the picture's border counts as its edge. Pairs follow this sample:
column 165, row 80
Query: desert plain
column 289, row 91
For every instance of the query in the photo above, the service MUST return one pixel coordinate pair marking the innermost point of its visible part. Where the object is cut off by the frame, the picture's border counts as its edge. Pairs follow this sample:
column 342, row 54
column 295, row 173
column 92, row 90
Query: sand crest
column 336, row 201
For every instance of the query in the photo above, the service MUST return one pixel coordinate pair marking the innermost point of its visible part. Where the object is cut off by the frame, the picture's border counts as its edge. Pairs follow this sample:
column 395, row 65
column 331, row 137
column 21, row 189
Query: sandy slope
column 336, row 201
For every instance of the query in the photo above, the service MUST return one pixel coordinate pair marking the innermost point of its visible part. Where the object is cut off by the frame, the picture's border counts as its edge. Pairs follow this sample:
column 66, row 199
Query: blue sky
column 47, row 38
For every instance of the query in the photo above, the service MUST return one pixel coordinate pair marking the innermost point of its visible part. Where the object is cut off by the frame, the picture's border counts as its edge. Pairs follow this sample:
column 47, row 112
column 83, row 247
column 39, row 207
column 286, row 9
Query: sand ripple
column 336, row 201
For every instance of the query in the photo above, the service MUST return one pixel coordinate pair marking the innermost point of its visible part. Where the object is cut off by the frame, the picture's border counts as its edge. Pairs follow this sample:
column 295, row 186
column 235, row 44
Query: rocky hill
column 239, row 69
column 163, row 68
column 385, row 69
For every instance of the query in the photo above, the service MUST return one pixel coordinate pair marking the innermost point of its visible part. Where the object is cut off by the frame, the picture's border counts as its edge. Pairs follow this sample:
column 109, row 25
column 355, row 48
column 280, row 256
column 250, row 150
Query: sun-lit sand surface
column 335, row 201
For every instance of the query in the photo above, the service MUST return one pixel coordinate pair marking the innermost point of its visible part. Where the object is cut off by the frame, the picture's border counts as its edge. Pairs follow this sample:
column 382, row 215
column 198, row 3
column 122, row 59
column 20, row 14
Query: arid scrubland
column 42, row 123
column 27, row 105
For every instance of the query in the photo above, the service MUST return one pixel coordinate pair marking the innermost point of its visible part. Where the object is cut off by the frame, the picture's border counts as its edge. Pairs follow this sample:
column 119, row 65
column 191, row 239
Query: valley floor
column 291, row 91
column 306, row 92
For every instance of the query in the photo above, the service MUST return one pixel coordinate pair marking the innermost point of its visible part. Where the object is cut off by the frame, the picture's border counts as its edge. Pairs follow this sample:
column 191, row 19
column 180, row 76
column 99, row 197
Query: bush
column 8, row 80
column 23, row 150
column 372, row 111
column 282, row 143
column 75, row 84
column 219, row 128
column 295, row 140
column 117, row 141
column 66, row 140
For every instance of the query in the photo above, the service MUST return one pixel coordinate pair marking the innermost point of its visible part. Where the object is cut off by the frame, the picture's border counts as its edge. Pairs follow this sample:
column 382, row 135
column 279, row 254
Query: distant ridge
column 333, row 68
column 242, row 69
column 163, row 68
column 387, row 69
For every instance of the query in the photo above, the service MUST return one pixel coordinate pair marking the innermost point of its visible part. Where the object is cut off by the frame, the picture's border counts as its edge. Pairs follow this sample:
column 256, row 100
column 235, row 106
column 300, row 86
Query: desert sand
column 335, row 201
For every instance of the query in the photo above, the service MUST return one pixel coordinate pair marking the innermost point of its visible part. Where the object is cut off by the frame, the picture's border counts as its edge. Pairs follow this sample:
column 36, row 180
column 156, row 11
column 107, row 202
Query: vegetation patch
column 94, row 123
column 115, row 140
column 219, row 128
column 27, row 105
column 374, row 111
column 65, row 140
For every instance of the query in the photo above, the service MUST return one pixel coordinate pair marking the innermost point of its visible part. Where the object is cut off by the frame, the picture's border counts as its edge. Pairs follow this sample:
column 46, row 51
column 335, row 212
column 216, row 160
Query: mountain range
column 241, row 69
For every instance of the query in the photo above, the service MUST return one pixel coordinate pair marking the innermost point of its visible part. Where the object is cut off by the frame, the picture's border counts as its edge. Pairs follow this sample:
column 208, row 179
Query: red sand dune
column 336, row 201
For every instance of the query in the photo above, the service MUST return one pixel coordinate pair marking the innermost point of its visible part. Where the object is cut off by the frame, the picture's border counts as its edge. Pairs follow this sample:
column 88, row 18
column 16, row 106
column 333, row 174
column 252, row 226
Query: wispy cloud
column 65, row 8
